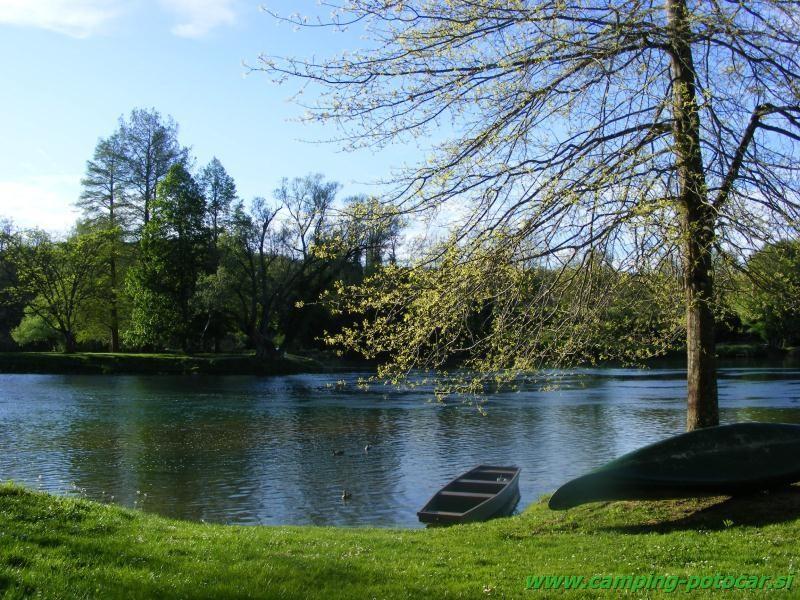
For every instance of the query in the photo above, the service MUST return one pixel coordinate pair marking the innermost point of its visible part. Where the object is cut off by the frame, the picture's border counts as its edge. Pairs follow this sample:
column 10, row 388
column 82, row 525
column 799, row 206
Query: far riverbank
column 107, row 363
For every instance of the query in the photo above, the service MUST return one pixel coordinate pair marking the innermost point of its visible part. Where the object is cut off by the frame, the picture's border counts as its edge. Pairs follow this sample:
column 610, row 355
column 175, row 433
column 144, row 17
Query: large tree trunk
column 70, row 343
column 702, row 401
column 698, row 225
column 265, row 347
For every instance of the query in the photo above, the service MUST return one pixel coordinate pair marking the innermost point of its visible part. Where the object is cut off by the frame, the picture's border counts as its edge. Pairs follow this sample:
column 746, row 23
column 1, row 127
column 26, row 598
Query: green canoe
column 725, row 460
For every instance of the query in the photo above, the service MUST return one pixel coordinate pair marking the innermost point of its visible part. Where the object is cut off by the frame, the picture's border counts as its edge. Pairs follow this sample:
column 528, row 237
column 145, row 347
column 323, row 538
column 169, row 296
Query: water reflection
column 258, row 450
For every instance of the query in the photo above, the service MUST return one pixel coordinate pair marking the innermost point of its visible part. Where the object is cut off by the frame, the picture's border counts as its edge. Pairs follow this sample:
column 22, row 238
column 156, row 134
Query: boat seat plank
column 487, row 481
column 466, row 494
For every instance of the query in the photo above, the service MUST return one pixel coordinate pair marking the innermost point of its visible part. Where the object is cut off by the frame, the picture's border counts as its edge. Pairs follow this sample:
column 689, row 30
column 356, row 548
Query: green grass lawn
column 62, row 548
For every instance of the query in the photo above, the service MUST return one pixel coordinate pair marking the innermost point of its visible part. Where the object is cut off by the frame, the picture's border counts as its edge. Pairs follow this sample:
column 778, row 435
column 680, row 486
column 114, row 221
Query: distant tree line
column 167, row 256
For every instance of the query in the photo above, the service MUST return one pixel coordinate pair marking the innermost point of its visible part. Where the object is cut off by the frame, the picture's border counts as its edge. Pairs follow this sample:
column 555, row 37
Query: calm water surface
column 259, row 450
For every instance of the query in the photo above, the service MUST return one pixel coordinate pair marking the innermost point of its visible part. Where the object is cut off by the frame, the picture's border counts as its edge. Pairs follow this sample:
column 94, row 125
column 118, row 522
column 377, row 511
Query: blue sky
column 70, row 68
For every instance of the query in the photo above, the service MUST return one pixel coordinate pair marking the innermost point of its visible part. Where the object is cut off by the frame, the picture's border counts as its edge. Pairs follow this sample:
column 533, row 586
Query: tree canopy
column 769, row 304
column 58, row 279
column 644, row 132
column 173, row 253
column 151, row 148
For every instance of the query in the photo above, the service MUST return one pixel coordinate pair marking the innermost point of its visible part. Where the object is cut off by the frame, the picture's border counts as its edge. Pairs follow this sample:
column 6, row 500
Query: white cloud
column 198, row 17
column 83, row 18
column 45, row 202
column 78, row 18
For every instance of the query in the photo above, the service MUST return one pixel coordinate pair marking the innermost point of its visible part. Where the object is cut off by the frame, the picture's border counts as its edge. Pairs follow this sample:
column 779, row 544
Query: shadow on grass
column 753, row 510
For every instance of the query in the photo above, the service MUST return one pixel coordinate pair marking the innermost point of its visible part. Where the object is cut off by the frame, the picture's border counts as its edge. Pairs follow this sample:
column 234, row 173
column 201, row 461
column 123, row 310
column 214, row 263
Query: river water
column 255, row 450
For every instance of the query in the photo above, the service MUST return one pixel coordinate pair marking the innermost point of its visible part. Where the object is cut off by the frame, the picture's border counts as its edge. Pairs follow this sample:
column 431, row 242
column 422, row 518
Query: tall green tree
column 213, row 303
column 60, row 279
column 768, row 298
column 11, row 304
column 173, row 253
column 104, row 203
column 104, row 197
column 150, row 150
column 633, row 130
column 219, row 190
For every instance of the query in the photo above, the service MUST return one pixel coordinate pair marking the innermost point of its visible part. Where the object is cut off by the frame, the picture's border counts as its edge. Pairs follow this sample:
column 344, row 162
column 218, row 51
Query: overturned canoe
column 479, row 494
column 726, row 460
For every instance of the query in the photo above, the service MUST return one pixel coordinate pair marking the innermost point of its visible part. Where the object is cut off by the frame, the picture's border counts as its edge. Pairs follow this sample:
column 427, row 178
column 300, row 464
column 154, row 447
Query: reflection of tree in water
column 97, row 457
column 317, row 477
column 98, row 444
column 200, row 469
column 190, row 456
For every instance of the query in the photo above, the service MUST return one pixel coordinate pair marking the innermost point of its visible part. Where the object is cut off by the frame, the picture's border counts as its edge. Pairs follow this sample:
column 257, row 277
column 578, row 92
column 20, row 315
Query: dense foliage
column 183, row 263
column 168, row 258
column 769, row 305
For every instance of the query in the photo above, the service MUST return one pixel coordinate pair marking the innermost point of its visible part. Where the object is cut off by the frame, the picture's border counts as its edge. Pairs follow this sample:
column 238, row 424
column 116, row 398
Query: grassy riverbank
column 62, row 548
column 107, row 363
